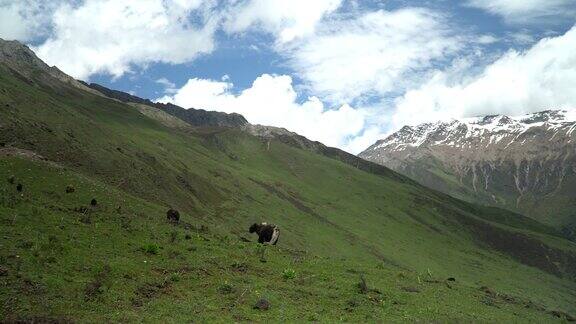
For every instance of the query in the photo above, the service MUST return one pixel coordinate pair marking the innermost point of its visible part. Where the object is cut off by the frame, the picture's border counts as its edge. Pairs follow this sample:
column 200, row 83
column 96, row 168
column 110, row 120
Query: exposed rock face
column 525, row 163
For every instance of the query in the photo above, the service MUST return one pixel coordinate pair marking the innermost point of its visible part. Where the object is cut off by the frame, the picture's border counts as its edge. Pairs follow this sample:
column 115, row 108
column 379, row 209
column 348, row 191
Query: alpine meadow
column 120, row 206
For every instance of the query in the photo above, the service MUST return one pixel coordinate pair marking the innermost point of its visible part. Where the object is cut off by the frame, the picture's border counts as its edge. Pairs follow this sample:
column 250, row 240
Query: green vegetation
column 289, row 274
column 121, row 260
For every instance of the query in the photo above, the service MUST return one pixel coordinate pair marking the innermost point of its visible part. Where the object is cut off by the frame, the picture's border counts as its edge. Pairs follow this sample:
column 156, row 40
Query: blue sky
column 344, row 72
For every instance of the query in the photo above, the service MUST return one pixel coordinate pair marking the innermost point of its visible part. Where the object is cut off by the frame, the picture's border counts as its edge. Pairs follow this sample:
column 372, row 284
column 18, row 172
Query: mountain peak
column 524, row 163
column 468, row 131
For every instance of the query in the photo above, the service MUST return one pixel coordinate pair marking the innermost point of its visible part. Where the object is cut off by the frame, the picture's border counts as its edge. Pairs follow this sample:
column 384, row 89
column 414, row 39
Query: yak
column 267, row 233
column 173, row 216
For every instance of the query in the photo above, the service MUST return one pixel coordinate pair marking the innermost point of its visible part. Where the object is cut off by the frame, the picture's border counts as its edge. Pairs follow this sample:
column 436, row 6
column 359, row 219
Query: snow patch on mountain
column 477, row 131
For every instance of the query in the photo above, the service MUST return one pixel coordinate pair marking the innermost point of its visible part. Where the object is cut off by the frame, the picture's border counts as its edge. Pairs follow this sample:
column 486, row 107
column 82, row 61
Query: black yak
column 267, row 233
column 173, row 216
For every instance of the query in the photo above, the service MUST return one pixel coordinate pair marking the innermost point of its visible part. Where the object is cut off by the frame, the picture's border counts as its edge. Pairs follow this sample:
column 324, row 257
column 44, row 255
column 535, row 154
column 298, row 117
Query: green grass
column 122, row 260
column 62, row 267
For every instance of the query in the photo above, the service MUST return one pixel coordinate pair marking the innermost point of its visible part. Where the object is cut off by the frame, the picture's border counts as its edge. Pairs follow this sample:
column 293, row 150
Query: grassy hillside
column 122, row 261
column 554, row 207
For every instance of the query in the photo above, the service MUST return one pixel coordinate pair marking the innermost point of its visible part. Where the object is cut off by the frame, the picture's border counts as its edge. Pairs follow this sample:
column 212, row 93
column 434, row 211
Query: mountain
column 195, row 117
column 526, row 164
column 86, row 239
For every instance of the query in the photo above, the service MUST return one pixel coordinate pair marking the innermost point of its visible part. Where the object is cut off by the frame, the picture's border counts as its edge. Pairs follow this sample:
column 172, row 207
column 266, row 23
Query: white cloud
column 107, row 36
column 273, row 101
column 288, row 20
column 24, row 20
column 527, row 11
column 169, row 86
column 368, row 137
column 540, row 78
column 372, row 54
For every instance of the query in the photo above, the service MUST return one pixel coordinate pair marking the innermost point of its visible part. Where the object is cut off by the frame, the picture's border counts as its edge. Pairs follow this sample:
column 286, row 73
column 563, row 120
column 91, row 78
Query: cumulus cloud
column 107, row 36
column 373, row 54
column 25, row 19
column 169, row 86
column 272, row 100
column 287, row 20
column 525, row 11
column 540, row 78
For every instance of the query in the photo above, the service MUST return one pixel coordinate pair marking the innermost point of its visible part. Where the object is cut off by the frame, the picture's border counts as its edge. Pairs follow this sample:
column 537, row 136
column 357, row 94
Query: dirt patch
column 149, row 291
column 25, row 154
column 37, row 320
column 493, row 298
column 32, row 288
column 94, row 288
column 411, row 289
column 562, row 315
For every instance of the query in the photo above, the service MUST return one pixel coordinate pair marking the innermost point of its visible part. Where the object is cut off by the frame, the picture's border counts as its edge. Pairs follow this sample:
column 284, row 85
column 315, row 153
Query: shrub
column 226, row 288
column 151, row 249
column 288, row 274
column 175, row 277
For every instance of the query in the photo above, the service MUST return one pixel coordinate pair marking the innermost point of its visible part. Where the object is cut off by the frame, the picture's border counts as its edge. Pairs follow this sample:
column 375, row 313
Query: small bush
column 175, row 277
column 226, row 288
column 152, row 249
column 289, row 274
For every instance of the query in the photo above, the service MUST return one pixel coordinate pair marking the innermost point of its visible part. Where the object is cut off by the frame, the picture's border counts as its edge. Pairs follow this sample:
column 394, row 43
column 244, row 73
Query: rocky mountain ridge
column 525, row 163
column 194, row 117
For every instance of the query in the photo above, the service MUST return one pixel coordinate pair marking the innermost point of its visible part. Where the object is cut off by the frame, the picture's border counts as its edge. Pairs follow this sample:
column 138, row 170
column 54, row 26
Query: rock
column 411, row 289
column 262, row 304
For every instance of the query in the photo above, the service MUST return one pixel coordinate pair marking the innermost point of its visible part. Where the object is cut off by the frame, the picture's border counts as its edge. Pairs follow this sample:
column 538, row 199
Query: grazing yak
column 173, row 216
column 267, row 233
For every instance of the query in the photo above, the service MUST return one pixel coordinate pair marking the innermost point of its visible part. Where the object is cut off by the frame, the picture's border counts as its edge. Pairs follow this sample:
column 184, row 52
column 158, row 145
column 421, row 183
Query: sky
column 343, row 72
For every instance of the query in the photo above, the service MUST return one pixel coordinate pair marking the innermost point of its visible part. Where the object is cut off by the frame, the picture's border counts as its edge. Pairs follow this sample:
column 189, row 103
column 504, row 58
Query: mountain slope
column 122, row 261
column 195, row 117
column 526, row 164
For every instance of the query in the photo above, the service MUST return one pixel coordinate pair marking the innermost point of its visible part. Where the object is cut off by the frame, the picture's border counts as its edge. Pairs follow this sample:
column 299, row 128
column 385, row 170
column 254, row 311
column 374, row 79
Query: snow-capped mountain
column 525, row 163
